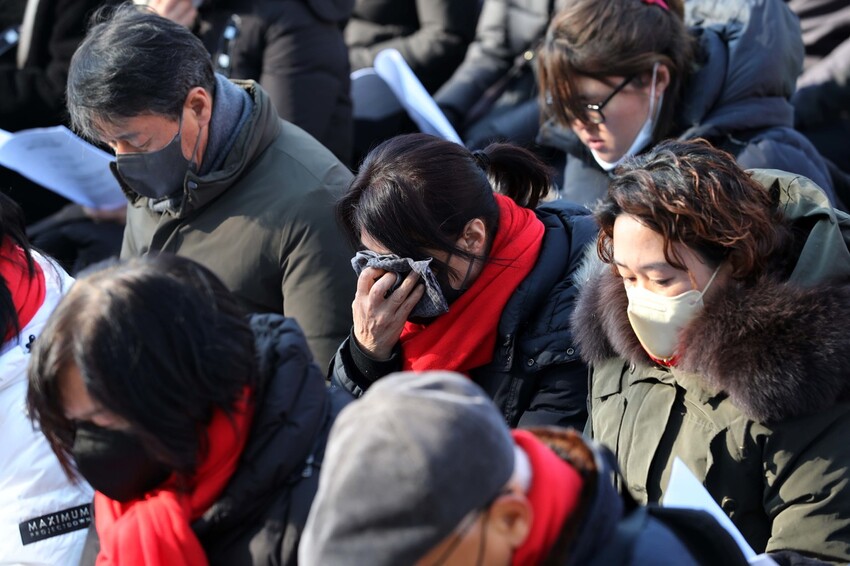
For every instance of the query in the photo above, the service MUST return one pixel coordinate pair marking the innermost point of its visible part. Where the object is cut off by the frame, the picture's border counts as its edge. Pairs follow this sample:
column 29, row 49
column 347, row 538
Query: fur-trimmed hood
column 779, row 348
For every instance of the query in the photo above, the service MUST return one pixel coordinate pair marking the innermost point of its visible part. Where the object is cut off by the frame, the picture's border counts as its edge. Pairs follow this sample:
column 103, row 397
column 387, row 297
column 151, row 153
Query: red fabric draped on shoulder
column 27, row 292
column 465, row 337
column 156, row 530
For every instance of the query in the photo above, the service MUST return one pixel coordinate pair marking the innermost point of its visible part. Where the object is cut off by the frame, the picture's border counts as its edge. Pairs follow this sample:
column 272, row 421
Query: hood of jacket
column 292, row 411
column 779, row 348
column 261, row 129
column 747, row 71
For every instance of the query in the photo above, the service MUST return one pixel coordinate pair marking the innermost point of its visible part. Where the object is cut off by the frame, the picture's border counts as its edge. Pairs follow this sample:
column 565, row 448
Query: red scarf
column 554, row 494
column 27, row 292
column 465, row 337
column 156, row 530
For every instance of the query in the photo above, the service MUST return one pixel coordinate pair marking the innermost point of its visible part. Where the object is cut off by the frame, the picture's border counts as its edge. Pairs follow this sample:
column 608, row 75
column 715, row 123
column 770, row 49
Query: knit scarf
column 232, row 107
column 554, row 494
column 27, row 291
column 156, row 530
column 465, row 337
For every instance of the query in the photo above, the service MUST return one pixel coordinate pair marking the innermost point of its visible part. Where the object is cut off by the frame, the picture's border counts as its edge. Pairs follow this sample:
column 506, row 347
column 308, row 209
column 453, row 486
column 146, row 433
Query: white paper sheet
column 58, row 160
column 685, row 491
column 391, row 66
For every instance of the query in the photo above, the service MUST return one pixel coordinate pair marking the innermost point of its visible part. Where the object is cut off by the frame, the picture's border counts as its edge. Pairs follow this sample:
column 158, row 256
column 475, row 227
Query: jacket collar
column 600, row 507
column 290, row 426
column 261, row 129
column 778, row 348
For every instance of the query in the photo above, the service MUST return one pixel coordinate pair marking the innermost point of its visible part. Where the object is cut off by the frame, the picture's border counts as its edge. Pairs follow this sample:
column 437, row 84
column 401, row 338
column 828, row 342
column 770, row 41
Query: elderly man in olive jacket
column 213, row 174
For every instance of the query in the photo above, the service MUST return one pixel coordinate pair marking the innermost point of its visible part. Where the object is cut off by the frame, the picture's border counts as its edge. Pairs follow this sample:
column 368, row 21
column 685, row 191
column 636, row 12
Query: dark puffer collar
column 292, row 413
column 778, row 350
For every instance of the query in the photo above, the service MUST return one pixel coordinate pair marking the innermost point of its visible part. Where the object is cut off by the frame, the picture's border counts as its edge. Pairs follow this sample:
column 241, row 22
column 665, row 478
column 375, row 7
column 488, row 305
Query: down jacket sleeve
column 317, row 282
column 434, row 50
column 34, row 95
column 806, row 495
column 506, row 28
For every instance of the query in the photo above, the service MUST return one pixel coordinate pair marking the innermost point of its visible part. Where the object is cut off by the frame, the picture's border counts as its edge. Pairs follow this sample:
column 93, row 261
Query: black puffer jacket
column 431, row 35
column 535, row 377
column 738, row 99
column 609, row 528
column 259, row 518
column 295, row 50
column 34, row 95
column 507, row 34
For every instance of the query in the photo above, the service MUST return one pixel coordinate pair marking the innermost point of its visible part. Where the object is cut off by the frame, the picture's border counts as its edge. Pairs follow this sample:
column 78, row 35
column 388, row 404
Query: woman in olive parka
column 718, row 334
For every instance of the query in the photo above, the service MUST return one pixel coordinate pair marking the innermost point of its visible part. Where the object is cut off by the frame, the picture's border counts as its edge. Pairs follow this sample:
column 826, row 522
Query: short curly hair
column 694, row 194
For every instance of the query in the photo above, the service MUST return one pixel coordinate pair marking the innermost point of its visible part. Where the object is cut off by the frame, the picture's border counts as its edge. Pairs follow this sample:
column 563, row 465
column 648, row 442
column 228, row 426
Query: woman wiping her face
column 461, row 272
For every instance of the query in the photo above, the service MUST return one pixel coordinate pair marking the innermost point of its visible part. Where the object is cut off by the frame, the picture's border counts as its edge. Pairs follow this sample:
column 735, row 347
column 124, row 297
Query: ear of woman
column 511, row 517
column 474, row 238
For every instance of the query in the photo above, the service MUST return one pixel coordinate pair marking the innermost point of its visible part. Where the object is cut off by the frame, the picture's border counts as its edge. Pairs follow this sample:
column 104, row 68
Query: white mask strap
column 710, row 281
column 652, row 92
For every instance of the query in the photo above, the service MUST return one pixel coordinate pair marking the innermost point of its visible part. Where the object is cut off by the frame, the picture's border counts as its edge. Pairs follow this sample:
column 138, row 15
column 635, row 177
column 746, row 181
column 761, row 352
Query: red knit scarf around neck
column 27, row 291
column 156, row 530
column 465, row 337
column 554, row 494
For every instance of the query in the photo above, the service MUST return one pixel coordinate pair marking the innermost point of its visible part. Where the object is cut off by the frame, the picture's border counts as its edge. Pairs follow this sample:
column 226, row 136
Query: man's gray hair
column 133, row 62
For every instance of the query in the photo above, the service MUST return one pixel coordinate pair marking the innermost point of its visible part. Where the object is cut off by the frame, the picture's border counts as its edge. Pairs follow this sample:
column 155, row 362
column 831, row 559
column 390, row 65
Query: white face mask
column 657, row 320
column 644, row 136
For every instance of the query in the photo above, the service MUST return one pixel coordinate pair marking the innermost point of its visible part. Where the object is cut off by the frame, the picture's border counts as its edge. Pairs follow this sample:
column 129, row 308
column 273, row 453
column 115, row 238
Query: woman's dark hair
column 601, row 39
column 158, row 341
column 133, row 62
column 417, row 191
column 694, row 194
column 12, row 229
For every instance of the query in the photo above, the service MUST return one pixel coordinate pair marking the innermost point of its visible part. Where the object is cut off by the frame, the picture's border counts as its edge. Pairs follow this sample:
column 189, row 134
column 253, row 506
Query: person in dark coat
column 201, row 430
column 647, row 77
column 448, row 483
column 432, row 36
column 492, row 96
column 822, row 100
column 212, row 173
column 488, row 286
column 293, row 48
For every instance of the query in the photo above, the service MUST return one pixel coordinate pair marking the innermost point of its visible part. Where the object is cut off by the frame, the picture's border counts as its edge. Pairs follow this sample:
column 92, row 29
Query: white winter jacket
column 43, row 516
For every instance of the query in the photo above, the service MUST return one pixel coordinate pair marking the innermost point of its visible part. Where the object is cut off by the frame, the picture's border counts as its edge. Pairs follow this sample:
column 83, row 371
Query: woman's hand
column 379, row 315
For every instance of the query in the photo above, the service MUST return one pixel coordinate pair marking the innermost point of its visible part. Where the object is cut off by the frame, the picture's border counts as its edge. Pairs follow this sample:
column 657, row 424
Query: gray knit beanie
column 404, row 465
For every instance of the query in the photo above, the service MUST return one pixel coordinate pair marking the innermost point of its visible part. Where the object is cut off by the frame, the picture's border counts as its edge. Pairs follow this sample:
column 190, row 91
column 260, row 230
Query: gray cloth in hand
column 432, row 303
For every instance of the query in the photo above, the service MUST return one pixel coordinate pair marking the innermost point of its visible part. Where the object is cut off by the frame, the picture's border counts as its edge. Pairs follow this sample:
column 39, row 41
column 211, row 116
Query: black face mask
column 115, row 463
column 450, row 293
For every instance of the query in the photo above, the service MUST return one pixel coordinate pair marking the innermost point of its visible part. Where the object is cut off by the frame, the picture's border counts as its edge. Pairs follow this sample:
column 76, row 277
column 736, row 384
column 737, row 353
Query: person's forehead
column 367, row 240
column 122, row 128
column 75, row 396
column 592, row 87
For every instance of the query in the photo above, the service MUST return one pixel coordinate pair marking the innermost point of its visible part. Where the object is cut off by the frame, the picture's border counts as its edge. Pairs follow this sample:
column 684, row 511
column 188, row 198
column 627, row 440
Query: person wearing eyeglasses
column 618, row 76
column 424, row 471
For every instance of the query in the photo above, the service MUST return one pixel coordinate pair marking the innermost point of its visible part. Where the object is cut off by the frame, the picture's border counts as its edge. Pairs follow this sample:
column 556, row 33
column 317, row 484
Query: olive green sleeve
column 807, row 487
